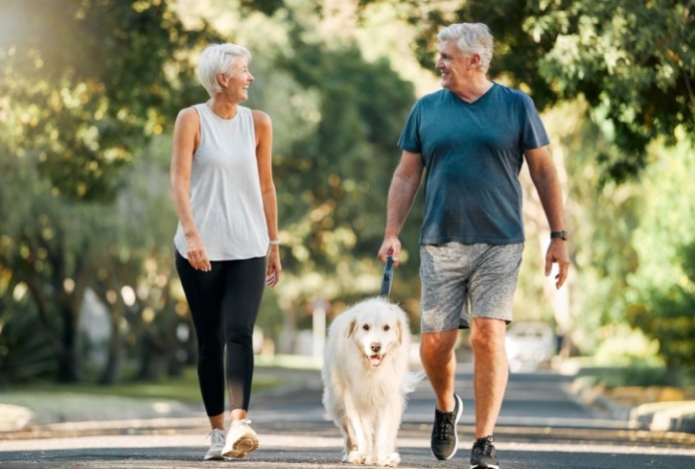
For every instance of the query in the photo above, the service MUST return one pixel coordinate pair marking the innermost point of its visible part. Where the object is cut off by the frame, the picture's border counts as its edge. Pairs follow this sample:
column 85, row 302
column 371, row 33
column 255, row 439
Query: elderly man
column 472, row 136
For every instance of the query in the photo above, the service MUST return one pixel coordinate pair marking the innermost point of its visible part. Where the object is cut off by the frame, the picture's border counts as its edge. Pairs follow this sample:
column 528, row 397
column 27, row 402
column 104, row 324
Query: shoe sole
column 456, row 422
column 241, row 447
column 478, row 466
column 214, row 457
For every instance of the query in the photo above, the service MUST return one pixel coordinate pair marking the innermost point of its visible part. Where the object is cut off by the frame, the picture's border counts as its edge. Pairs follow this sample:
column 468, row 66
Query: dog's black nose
column 375, row 347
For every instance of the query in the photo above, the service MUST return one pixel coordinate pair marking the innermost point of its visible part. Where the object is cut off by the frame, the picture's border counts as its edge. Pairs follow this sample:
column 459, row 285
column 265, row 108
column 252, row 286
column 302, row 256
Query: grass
column 636, row 375
column 183, row 388
column 171, row 397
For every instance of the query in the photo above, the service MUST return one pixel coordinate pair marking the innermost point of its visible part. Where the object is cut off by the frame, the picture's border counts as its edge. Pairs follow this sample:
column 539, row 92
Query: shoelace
column 484, row 445
column 241, row 422
column 217, row 437
column 444, row 424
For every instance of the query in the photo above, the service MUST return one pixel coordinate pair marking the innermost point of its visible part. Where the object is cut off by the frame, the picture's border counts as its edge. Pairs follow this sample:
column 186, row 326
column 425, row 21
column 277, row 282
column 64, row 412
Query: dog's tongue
column 375, row 360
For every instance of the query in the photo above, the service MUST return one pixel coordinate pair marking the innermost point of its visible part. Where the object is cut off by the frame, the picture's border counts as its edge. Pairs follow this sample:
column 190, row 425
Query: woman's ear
column 222, row 79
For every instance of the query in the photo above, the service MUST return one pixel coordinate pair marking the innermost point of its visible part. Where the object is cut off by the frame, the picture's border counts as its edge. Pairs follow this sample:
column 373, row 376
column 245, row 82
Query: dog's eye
column 387, row 327
column 365, row 327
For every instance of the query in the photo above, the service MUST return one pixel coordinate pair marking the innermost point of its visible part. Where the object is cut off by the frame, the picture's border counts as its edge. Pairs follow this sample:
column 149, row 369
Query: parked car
column 530, row 345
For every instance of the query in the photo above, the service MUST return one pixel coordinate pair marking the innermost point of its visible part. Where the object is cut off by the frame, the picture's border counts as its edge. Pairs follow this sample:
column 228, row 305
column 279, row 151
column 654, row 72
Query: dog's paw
column 357, row 457
column 391, row 460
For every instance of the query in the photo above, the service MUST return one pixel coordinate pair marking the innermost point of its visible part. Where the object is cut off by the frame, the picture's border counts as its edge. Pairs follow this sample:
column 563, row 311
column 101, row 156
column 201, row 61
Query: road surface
column 542, row 426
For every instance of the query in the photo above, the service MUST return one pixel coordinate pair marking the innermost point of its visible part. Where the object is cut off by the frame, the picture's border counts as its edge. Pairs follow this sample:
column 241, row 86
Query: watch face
column 559, row 234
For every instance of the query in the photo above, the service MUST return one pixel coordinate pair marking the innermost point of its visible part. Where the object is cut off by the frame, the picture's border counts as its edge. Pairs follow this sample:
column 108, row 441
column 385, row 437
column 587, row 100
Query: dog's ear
column 351, row 329
column 399, row 329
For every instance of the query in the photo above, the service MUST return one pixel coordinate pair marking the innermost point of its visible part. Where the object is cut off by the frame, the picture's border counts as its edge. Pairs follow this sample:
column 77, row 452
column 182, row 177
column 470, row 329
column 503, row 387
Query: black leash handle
column 387, row 278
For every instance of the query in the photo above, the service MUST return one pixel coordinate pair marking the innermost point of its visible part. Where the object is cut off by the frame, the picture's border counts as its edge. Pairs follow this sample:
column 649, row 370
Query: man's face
column 452, row 64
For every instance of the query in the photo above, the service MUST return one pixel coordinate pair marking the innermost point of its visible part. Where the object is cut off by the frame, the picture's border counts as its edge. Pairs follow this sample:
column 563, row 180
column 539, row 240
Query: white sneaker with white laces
column 217, row 440
column 241, row 439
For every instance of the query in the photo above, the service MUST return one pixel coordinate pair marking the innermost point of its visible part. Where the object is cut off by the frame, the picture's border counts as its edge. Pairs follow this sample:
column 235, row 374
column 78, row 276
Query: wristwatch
column 559, row 234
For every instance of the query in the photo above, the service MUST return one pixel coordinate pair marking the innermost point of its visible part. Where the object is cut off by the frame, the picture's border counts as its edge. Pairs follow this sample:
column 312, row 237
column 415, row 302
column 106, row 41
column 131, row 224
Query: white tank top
column 225, row 189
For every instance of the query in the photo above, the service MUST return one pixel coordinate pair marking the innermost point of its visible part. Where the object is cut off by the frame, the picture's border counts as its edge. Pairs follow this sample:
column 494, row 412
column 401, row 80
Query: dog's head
column 377, row 329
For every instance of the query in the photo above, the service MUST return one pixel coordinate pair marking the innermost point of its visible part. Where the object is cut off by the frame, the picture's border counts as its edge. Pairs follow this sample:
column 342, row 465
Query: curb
column 14, row 418
column 109, row 427
column 592, row 396
column 678, row 416
column 666, row 416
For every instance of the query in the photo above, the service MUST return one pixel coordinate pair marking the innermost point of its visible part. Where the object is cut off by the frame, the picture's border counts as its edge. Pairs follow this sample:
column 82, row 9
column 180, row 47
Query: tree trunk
column 110, row 373
column 152, row 360
column 70, row 304
column 68, row 358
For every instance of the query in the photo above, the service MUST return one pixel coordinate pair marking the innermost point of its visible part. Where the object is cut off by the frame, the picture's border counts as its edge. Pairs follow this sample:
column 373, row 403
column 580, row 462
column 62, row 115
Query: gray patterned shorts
column 459, row 280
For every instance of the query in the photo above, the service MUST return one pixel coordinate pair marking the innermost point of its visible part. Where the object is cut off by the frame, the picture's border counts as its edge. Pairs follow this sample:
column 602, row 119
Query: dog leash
column 387, row 278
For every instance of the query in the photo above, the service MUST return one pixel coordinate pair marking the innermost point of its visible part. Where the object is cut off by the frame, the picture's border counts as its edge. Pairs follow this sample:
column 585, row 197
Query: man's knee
column 487, row 333
column 436, row 345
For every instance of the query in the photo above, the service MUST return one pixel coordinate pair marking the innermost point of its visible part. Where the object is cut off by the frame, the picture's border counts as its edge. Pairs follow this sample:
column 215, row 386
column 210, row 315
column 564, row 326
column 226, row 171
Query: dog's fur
column 366, row 379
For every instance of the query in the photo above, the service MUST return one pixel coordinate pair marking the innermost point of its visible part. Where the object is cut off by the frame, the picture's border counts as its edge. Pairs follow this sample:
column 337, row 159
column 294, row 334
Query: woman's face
column 238, row 80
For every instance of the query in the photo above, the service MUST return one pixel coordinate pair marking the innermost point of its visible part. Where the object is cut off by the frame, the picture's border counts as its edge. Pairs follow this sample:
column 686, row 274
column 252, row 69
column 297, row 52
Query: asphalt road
column 542, row 426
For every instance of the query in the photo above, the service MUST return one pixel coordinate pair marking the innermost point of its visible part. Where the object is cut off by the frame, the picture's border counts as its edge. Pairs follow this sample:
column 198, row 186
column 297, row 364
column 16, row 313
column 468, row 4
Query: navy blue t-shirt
column 473, row 153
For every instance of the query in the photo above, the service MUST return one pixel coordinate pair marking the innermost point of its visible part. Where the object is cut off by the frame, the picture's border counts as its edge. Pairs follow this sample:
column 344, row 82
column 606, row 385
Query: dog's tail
column 411, row 381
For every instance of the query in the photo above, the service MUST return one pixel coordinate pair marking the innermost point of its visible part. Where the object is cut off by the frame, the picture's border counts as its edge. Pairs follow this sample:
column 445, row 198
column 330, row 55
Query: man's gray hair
column 471, row 38
column 218, row 58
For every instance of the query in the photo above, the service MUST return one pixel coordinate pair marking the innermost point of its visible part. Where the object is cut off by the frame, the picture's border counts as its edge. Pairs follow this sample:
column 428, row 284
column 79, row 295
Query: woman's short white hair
column 471, row 38
column 218, row 58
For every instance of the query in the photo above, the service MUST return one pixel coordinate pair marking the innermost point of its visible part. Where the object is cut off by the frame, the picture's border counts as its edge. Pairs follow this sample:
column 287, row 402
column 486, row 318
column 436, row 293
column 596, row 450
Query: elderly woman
column 227, row 246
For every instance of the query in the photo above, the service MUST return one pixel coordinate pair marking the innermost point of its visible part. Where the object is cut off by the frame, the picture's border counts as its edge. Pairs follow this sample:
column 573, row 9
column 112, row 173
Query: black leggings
column 224, row 304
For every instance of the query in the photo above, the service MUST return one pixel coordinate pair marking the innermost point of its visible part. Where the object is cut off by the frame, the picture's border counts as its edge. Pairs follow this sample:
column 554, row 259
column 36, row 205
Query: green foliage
column 182, row 388
column 333, row 180
column 55, row 249
column 85, row 83
column 633, row 61
column 661, row 296
column 686, row 257
column 47, row 241
column 633, row 375
column 353, row 152
column 267, row 7
column 602, row 220
column 24, row 354
column 669, row 316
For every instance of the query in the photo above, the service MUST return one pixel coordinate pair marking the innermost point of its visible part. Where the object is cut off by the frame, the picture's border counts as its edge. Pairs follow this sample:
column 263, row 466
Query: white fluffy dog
column 366, row 379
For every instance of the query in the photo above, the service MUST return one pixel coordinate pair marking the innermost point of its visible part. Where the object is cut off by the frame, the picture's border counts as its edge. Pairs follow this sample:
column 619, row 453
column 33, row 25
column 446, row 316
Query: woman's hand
column 274, row 268
column 196, row 253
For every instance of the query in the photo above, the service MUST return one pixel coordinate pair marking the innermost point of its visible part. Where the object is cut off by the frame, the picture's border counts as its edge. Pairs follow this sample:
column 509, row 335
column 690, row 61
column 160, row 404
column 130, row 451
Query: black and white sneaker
column 445, row 442
column 483, row 454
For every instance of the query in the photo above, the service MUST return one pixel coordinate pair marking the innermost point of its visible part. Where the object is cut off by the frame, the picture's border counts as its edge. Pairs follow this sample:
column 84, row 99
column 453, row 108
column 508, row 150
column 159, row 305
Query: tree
column 662, row 291
column 601, row 219
column 47, row 244
column 334, row 181
column 668, row 317
column 86, row 83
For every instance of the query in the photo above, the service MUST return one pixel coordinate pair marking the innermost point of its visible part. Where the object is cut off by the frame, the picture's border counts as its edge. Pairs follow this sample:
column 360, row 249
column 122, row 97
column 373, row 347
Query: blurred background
column 89, row 90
